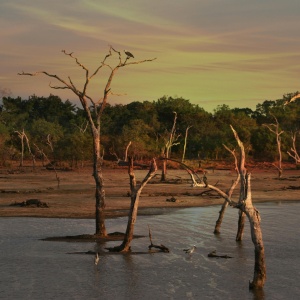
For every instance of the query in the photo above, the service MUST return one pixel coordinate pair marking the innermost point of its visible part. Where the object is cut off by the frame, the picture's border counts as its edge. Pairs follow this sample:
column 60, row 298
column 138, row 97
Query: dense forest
column 56, row 130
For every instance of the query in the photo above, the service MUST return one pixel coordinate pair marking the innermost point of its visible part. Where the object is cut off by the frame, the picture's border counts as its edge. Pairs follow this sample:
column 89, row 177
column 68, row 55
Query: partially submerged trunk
column 252, row 213
column 245, row 205
column 241, row 226
column 220, row 219
column 135, row 197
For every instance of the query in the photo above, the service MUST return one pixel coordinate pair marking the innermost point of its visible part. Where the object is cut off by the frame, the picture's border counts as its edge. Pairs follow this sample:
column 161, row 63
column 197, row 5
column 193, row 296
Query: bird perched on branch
column 190, row 250
column 97, row 259
column 128, row 54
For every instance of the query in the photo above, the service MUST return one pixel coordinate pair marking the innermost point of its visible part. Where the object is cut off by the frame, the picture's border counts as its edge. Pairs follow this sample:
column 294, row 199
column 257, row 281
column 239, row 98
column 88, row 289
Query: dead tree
column 126, row 151
column 246, row 206
column 170, row 141
column 294, row 153
column 22, row 135
column 29, row 150
column 276, row 130
column 135, row 190
column 185, row 142
column 94, row 109
column 229, row 193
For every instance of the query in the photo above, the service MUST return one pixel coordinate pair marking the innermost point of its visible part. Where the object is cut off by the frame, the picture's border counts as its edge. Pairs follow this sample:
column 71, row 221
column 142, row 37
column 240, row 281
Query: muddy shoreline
column 74, row 197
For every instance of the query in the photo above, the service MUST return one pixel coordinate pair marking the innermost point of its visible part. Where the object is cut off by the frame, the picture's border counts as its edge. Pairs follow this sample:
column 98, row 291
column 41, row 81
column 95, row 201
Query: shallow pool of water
column 36, row 269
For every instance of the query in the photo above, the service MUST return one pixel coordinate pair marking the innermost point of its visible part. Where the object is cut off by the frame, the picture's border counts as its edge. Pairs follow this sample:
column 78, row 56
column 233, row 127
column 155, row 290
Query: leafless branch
column 292, row 99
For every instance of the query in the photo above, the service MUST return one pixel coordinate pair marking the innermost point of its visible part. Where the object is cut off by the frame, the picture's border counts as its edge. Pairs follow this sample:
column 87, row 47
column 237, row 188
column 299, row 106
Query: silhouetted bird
column 128, row 54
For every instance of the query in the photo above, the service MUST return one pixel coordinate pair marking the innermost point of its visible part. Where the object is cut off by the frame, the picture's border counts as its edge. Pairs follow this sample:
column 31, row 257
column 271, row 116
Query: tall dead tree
column 170, row 141
column 275, row 128
column 94, row 109
column 185, row 142
column 135, row 190
column 246, row 206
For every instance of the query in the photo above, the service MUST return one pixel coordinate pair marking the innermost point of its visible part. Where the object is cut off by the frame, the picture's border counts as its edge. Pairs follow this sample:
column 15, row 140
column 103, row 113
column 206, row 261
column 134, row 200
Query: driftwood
column 161, row 247
column 214, row 254
column 172, row 199
column 292, row 187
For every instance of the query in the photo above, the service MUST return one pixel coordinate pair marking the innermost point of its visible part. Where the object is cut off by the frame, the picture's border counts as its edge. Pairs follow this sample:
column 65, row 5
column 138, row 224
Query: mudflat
column 74, row 196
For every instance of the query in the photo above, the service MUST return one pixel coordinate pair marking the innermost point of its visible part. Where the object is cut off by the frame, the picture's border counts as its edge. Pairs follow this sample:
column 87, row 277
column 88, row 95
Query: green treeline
column 58, row 129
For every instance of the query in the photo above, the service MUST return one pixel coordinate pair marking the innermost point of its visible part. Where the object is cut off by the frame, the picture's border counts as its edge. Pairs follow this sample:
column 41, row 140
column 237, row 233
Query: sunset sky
column 211, row 52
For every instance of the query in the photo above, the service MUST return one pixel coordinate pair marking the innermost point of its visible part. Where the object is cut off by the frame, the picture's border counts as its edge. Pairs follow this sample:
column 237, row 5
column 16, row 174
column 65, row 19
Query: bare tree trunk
column 135, row 198
column 99, row 190
column 220, row 219
column 278, row 133
column 241, row 225
column 185, row 142
column 29, row 149
column 229, row 193
column 126, row 151
column 172, row 138
column 246, row 206
column 278, row 139
column 164, row 171
column 252, row 213
column 22, row 135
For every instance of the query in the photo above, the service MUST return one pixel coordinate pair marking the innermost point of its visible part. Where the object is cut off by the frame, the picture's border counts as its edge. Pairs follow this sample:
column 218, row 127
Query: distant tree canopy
column 144, row 124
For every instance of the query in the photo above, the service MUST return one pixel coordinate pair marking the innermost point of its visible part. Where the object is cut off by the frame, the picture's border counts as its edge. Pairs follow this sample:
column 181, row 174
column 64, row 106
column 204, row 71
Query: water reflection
column 35, row 269
column 258, row 294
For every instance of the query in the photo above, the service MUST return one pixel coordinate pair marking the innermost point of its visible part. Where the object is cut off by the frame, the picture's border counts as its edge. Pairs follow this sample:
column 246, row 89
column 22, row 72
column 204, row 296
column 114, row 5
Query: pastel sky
column 211, row 52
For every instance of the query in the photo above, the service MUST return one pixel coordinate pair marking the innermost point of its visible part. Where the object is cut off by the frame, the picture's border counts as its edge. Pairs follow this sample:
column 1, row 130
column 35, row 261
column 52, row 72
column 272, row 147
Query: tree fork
column 135, row 197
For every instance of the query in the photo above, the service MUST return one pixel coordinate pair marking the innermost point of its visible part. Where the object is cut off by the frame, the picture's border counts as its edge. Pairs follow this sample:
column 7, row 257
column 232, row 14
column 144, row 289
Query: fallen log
column 214, row 254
